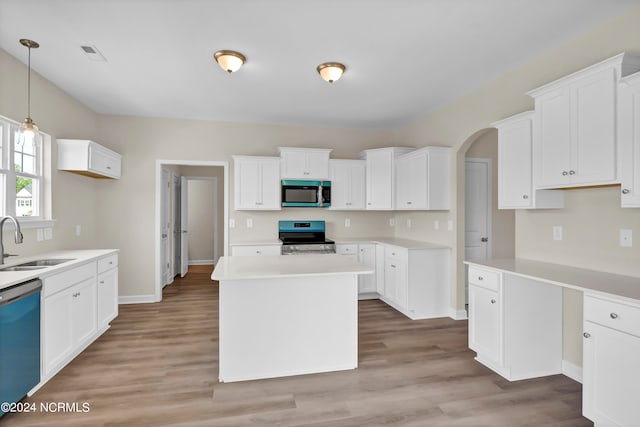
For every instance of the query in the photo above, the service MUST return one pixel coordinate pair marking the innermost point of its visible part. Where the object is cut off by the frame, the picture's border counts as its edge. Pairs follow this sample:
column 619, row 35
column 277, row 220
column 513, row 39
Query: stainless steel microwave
column 306, row 194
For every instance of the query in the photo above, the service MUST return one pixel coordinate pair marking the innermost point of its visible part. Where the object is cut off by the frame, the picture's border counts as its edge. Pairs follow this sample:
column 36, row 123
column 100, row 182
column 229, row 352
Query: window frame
column 41, row 198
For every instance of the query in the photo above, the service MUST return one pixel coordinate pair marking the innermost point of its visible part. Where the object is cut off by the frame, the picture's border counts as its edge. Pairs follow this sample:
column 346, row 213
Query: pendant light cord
column 29, row 87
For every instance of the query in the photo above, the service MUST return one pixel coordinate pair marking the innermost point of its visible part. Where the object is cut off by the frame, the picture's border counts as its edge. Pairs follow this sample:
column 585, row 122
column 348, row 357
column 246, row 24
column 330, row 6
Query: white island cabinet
column 287, row 315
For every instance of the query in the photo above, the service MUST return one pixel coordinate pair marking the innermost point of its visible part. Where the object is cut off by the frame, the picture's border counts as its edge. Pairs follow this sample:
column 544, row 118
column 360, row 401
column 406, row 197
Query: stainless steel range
column 304, row 237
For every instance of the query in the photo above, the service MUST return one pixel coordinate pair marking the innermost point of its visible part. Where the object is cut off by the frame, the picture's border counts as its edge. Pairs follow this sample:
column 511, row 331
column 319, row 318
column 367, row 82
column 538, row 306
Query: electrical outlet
column 232, row 223
column 249, row 222
column 39, row 235
column 450, row 225
column 48, row 233
column 626, row 238
column 557, row 232
column 408, row 222
column 78, row 230
column 436, row 225
column 347, row 222
column 392, row 222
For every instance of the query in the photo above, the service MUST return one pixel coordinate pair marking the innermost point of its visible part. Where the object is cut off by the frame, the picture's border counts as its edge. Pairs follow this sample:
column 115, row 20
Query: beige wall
column 201, row 219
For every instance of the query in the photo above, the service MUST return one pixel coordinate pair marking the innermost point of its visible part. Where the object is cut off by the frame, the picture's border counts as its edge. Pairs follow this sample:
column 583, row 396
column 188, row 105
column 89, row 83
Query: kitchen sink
column 37, row 264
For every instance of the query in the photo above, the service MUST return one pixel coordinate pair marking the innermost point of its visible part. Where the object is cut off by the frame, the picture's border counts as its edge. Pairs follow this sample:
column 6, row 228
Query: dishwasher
column 19, row 340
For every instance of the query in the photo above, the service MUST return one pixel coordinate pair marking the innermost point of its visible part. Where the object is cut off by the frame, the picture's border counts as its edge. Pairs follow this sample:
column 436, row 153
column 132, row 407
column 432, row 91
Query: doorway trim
column 157, row 234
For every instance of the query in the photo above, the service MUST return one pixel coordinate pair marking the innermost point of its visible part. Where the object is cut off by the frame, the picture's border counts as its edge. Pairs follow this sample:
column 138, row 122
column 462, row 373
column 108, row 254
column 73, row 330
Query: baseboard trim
column 458, row 314
column 200, row 262
column 572, row 371
column 136, row 299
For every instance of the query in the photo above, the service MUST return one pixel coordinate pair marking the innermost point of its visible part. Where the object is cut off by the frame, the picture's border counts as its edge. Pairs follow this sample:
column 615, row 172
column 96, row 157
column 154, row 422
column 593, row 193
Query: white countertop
column 395, row 241
column 570, row 277
column 274, row 266
column 10, row 278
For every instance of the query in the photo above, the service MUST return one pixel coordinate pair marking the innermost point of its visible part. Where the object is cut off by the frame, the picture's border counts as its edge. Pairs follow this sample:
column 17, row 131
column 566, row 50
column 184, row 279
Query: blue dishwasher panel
column 19, row 347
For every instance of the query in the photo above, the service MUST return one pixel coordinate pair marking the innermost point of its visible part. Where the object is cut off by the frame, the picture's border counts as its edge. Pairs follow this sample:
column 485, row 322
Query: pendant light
column 331, row 71
column 28, row 128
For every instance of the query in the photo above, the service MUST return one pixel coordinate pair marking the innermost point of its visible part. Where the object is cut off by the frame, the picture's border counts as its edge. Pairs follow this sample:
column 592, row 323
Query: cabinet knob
column 393, row 266
column 565, row 173
column 493, row 301
column 409, row 203
column 109, row 167
column 572, row 172
column 480, row 278
column 524, row 196
column 102, row 282
column 369, row 203
column 586, row 334
column 625, row 191
column 613, row 315
column 258, row 252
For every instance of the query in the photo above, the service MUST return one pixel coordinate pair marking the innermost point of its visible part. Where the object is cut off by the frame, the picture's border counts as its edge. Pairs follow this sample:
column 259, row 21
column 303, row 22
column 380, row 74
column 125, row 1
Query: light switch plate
column 232, row 223
column 249, row 222
column 39, row 235
column 392, row 222
column 347, row 222
column 436, row 225
column 48, row 233
column 408, row 222
column 450, row 225
column 78, row 230
column 626, row 238
column 557, row 232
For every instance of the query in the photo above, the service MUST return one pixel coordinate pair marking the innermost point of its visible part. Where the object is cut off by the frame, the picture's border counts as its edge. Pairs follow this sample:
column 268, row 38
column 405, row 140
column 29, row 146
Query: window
column 22, row 182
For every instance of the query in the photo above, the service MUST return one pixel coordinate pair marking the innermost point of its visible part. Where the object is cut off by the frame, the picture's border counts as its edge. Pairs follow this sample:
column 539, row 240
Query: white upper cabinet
column 575, row 126
column 516, row 188
column 380, row 176
column 257, row 183
column 629, row 140
column 347, row 184
column 304, row 163
column 422, row 179
column 88, row 158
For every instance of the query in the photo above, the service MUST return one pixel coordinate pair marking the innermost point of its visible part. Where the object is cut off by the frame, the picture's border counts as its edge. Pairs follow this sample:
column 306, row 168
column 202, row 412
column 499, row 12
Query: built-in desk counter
column 515, row 327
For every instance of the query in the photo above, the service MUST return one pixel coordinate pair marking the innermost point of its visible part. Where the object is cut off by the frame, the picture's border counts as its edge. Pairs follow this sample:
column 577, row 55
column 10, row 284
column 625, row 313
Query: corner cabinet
column 629, row 140
column 257, row 183
column 364, row 253
column 515, row 324
column 347, row 184
column 422, row 179
column 380, row 176
column 611, row 373
column 575, row 126
column 88, row 158
column 516, row 189
column 304, row 163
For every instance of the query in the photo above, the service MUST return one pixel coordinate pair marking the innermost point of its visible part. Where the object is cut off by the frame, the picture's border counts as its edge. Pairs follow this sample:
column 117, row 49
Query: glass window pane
column 3, row 129
column 24, row 156
column 26, row 191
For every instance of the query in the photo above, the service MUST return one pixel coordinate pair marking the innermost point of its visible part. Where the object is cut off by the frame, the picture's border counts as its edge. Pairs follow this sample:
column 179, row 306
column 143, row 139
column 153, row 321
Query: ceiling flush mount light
column 28, row 128
column 331, row 71
column 229, row 60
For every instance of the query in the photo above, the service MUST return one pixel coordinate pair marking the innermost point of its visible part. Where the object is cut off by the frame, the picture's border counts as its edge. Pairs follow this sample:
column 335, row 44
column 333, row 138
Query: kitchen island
column 287, row 315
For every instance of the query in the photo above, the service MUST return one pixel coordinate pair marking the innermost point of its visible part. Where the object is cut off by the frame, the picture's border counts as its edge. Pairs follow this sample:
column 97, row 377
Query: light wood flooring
column 158, row 365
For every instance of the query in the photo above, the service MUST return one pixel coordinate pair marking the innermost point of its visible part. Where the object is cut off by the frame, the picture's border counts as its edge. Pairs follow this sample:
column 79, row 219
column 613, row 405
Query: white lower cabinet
column 253, row 250
column 515, row 324
column 107, row 290
column 611, row 372
column 69, row 319
column 366, row 254
column 77, row 306
column 416, row 281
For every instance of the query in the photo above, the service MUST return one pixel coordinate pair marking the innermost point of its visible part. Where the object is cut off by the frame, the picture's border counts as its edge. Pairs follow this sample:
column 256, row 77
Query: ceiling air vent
column 93, row 53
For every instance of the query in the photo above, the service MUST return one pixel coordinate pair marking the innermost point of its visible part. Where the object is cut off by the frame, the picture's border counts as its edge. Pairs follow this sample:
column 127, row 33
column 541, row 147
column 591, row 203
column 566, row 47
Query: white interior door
column 177, row 225
column 165, row 227
column 184, row 226
column 477, row 215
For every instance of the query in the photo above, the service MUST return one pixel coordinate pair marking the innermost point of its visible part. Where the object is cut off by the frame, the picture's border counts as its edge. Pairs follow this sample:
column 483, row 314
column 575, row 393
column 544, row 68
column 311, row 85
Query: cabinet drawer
column 347, row 249
column 485, row 278
column 248, row 250
column 616, row 315
column 66, row 279
column 107, row 263
column 396, row 252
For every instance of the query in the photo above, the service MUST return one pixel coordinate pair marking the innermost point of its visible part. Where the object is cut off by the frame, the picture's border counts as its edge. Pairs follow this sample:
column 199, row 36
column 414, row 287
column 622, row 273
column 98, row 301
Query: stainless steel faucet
column 18, row 235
